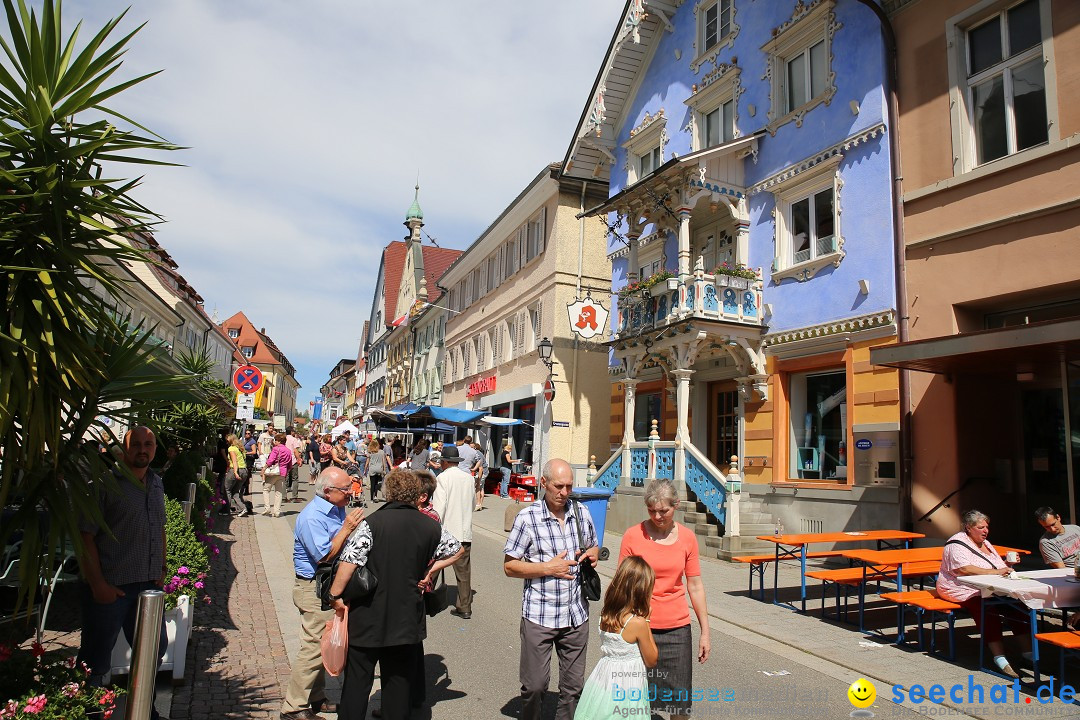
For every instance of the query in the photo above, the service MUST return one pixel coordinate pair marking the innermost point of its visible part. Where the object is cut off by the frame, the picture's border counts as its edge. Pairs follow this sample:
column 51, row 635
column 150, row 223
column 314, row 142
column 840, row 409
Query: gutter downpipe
column 899, row 251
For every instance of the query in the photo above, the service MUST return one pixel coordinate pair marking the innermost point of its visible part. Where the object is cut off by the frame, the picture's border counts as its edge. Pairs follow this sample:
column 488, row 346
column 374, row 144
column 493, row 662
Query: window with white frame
column 510, row 256
column 234, row 333
column 248, row 351
column 808, row 221
column 645, row 148
column 535, row 234
column 1001, row 69
column 716, row 28
column 715, row 107
column 800, row 64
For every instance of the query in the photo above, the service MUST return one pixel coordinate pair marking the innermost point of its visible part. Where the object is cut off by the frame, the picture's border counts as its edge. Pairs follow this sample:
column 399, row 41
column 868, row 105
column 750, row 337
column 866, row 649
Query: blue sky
column 307, row 123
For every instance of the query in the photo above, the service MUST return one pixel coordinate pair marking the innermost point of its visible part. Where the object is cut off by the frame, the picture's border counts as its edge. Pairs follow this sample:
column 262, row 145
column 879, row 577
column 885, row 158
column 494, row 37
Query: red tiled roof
column 393, row 264
column 265, row 351
column 436, row 260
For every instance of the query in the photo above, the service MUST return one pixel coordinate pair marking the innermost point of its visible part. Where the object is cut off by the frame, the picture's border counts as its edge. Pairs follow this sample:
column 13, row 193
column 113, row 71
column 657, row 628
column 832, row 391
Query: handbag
column 360, row 587
column 590, row 579
column 435, row 600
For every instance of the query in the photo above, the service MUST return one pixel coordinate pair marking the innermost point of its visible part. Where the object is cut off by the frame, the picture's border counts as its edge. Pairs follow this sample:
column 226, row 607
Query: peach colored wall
column 923, row 88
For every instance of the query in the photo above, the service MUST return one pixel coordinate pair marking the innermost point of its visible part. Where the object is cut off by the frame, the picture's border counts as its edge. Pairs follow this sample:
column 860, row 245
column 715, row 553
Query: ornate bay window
column 645, row 148
column 714, row 105
column 807, row 221
column 716, row 29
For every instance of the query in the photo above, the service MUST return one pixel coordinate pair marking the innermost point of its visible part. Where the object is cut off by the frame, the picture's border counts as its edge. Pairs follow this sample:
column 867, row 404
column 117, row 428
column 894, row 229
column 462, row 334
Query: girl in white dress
column 618, row 684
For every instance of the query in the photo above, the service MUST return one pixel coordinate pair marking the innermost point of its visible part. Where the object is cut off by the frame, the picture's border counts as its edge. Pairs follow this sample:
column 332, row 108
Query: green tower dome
column 415, row 213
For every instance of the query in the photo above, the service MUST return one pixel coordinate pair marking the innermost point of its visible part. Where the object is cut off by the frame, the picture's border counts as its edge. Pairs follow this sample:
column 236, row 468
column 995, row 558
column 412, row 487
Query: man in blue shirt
column 322, row 528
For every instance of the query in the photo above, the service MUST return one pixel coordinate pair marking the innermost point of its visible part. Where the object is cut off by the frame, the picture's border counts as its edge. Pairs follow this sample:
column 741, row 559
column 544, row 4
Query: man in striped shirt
column 542, row 549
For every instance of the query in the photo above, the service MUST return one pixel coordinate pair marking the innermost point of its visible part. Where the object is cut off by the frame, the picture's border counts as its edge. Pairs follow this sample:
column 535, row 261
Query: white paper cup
column 1012, row 557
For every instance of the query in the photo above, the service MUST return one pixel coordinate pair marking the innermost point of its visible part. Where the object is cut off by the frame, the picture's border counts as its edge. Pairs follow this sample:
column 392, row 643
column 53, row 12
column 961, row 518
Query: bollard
column 191, row 493
column 145, row 654
column 186, row 506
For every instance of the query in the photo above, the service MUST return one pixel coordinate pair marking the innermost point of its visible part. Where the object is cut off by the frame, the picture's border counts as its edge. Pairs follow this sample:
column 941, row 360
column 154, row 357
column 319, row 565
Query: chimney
column 262, row 330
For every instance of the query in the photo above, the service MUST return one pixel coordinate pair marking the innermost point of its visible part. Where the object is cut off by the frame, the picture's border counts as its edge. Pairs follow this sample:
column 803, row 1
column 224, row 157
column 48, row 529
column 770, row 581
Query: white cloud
column 308, row 122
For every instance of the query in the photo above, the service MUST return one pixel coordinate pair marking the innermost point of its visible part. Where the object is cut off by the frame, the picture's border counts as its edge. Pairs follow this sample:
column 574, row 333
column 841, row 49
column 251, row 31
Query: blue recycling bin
column 595, row 501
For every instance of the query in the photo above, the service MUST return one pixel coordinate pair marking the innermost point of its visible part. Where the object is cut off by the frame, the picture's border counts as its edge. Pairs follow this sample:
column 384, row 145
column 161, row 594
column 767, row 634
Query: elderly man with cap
column 322, row 528
column 454, row 500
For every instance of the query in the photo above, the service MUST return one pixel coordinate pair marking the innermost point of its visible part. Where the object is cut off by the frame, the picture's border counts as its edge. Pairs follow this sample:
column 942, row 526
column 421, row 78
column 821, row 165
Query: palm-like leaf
column 68, row 364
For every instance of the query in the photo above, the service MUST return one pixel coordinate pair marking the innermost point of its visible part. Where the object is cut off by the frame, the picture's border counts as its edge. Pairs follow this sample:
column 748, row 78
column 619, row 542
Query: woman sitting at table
column 969, row 553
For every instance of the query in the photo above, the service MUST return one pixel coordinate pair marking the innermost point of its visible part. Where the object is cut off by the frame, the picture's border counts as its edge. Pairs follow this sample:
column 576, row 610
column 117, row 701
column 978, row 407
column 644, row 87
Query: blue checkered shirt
column 537, row 537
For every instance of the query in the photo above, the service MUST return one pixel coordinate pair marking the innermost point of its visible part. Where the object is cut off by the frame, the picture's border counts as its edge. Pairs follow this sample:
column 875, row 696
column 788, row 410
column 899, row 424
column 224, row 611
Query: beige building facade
column 508, row 292
column 990, row 146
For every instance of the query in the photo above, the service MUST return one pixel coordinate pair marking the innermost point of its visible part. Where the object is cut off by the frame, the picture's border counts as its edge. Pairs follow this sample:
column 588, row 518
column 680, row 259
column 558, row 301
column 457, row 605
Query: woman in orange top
column 671, row 549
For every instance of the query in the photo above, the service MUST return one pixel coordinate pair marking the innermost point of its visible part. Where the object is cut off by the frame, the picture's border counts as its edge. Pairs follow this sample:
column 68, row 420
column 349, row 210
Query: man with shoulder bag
column 322, row 528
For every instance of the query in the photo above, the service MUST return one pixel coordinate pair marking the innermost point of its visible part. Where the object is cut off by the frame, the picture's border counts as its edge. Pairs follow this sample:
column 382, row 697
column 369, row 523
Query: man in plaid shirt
column 542, row 549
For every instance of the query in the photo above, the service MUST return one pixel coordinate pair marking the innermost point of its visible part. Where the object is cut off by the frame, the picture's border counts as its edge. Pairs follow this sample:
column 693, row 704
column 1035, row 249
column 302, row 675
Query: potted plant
column 657, row 282
column 737, row 275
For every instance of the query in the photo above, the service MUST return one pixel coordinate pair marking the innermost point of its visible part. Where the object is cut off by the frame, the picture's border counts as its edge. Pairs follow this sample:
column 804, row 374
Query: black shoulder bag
column 590, row 579
column 974, row 550
column 361, row 585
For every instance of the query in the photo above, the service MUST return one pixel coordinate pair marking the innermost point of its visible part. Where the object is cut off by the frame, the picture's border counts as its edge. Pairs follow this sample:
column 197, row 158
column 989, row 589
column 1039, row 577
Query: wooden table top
column 839, row 537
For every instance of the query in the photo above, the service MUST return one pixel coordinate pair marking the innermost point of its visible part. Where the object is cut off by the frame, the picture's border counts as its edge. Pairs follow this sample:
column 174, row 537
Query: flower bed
column 40, row 685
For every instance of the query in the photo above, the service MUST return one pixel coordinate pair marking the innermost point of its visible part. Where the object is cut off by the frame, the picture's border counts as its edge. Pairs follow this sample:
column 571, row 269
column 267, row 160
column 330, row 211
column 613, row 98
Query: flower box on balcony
column 672, row 284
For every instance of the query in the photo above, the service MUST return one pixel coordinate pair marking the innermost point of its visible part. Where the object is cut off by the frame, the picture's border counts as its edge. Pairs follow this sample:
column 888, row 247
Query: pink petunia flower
column 198, row 585
column 70, row 690
column 183, row 570
column 206, row 599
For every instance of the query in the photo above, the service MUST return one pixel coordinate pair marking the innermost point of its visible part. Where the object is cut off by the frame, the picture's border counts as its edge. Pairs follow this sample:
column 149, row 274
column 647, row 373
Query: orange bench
column 757, row 565
column 857, row 577
column 1069, row 643
column 925, row 601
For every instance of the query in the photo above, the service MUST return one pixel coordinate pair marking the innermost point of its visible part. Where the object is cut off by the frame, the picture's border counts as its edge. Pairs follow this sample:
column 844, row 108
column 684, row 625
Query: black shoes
column 460, row 614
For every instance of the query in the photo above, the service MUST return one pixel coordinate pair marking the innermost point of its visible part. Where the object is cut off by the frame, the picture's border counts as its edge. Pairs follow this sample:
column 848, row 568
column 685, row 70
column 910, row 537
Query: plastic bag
column 335, row 643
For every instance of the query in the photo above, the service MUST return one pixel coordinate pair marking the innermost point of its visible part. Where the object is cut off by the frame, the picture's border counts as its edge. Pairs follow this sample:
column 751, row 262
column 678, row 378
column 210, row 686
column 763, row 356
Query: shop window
column 819, row 427
column 1000, row 70
column 647, row 407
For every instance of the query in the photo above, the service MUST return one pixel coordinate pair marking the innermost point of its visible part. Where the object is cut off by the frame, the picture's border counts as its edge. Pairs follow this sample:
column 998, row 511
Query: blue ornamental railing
column 639, row 466
column 610, row 473
column 704, row 479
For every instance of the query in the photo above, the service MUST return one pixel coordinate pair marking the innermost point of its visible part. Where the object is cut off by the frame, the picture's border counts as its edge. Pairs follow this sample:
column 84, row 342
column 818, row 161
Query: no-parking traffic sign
column 247, row 379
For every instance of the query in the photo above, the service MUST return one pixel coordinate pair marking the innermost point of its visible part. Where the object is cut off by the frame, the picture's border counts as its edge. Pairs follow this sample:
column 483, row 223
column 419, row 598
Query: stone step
column 754, row 529
column 706, row 530
column 755, row 517
column 693, row 518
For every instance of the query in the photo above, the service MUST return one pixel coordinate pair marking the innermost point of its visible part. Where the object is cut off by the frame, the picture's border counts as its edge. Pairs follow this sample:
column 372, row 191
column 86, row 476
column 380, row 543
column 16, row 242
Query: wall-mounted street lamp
column 544, row 348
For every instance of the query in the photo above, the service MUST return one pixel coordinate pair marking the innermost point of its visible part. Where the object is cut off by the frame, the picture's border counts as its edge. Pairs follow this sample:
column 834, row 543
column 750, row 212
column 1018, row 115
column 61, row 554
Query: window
column 800, row 59
column 1006, row 86
column 645, row 148
column 808, row 232
column 812, row 227
column 466, row 359
column 248, row 351
column 481, row 354
column 715, row 29
column 649, row 161
column 818, row 425
column 510, row 253
column 806, row 76
column 512, row 328
column 491, row 282
column 234, row 333
column 646, row 409
column 720, row 125
column 535, row 234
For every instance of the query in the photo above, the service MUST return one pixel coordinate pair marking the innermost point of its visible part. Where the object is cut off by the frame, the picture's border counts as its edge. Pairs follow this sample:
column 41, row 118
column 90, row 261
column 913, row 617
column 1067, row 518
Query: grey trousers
column 535, row 670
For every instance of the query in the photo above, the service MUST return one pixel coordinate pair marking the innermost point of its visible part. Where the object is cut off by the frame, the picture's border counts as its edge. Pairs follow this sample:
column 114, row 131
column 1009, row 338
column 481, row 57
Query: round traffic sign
column 247, row 379
column 549, row 390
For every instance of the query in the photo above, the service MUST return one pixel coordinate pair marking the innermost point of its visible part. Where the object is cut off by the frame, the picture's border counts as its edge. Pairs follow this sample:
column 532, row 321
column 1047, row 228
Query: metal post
column 145, row 654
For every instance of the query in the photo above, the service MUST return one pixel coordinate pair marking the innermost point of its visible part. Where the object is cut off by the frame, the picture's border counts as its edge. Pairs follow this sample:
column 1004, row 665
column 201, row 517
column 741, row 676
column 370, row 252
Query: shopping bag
column 335, row 643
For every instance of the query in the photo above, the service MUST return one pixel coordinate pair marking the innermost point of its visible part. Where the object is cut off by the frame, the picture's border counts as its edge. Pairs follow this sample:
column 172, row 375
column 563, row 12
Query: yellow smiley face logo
column 862, row 693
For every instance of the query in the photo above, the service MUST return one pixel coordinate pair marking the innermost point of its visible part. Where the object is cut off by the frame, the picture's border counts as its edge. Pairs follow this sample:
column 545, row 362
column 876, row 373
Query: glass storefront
column 818, row 424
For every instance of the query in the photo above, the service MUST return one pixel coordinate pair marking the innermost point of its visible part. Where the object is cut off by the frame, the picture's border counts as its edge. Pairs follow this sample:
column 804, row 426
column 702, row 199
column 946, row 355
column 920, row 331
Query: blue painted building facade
column 753, row 266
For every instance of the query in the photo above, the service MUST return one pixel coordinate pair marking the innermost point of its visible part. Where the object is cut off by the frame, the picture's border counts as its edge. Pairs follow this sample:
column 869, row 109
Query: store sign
column 481, row 386
column 587, row 317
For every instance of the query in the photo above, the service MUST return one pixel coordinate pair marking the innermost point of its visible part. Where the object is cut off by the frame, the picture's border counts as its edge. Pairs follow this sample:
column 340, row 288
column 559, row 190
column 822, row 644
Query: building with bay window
column 750, row 226
column 508, row 292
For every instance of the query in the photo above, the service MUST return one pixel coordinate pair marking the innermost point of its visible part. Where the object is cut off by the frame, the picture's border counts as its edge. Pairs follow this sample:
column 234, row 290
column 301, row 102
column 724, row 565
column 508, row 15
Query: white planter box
column 178, row 626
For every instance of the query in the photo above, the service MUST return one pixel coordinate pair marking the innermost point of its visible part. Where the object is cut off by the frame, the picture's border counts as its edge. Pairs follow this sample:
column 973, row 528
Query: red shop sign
column 481, row 386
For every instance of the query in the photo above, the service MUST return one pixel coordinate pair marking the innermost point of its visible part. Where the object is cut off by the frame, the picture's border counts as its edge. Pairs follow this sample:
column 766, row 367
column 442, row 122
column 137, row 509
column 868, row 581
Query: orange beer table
column 792, row 546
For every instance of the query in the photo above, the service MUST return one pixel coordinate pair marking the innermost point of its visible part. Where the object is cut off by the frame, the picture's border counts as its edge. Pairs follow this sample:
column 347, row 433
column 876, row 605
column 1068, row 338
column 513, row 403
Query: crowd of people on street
column 385, row 570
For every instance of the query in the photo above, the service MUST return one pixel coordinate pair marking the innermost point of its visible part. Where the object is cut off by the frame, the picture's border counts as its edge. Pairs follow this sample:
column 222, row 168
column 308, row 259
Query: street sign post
column 245, row 406
column 247, row 379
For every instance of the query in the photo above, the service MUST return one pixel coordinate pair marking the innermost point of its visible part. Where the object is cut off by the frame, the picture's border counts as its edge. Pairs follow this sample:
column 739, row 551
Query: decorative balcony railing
column 709, row 297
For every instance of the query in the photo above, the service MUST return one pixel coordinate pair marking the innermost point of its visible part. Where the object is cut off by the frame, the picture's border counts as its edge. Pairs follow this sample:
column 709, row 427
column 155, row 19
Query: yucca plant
column 70, row 366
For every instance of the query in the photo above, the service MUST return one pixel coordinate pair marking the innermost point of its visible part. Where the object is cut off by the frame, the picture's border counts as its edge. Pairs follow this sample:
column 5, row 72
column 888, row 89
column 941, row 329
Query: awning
column 453, row 416
column 494, row 420
column 999, row 351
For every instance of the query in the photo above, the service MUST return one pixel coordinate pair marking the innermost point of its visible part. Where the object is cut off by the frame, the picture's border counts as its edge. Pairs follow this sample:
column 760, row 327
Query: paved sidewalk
column 237, row 666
